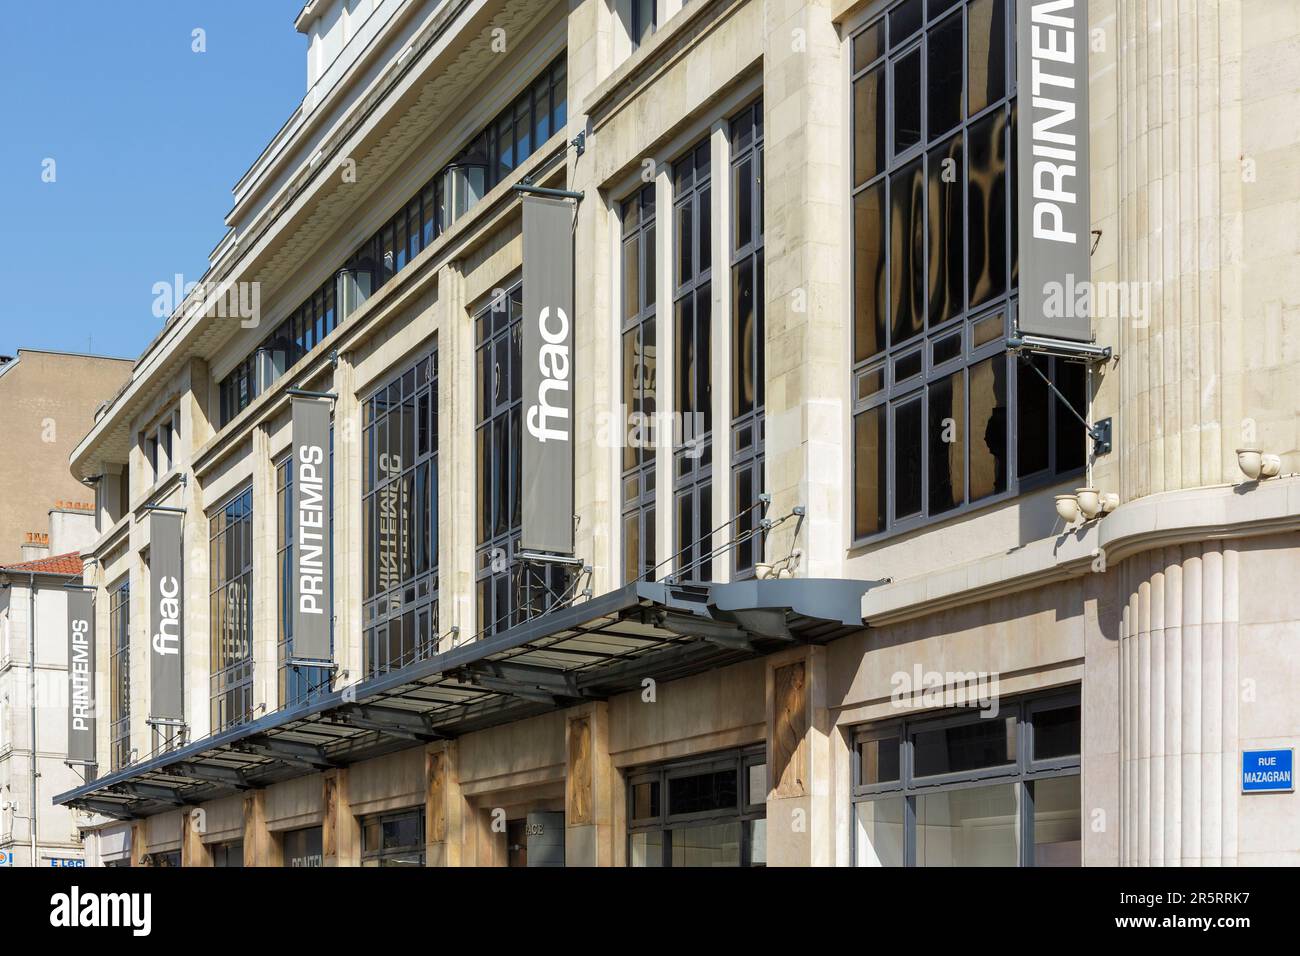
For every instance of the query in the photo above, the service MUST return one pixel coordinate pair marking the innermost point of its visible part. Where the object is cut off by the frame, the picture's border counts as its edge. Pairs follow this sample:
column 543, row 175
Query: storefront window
column 714, row 813
column 393, row 839
column 228, row 854
column 969, row 789
column 304, row 848
column 880, row 832
column 1057, row 814
column 971, row 827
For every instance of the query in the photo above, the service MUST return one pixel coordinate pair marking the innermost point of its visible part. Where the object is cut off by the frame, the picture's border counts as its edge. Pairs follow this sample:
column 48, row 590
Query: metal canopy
column 593, row 650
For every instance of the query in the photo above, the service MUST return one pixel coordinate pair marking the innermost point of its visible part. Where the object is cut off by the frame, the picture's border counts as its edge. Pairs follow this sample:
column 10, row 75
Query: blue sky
column 148, row 138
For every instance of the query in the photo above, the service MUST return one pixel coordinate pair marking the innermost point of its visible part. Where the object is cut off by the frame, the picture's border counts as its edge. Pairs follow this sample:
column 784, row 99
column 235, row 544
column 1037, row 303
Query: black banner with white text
column 81, row 677
column 311, row 522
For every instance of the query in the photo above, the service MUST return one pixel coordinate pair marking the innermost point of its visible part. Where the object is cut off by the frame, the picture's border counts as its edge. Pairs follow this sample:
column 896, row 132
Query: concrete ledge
column 1214, row 513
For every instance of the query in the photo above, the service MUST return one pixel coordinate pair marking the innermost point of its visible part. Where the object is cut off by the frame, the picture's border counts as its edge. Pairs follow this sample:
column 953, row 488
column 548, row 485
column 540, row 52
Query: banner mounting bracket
column 1061, row 348
column 308, row 393
column 547, row 191
column 1100, row 433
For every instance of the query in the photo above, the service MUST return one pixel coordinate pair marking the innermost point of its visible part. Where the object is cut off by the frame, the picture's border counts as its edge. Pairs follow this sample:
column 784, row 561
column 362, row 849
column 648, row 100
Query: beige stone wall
column 47, row 404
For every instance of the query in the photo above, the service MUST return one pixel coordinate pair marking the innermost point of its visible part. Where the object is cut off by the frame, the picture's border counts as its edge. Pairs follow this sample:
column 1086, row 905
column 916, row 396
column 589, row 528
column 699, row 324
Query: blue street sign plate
column 1267, row 771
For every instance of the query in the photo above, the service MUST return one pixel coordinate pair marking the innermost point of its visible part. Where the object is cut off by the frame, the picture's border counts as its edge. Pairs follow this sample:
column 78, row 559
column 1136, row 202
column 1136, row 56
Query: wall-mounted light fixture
column 1256, row 465
column 1067, row 508
column 1089, row 502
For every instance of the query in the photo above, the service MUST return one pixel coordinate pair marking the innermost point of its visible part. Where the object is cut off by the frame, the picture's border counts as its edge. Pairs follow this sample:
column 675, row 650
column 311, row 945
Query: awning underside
column 588, row 651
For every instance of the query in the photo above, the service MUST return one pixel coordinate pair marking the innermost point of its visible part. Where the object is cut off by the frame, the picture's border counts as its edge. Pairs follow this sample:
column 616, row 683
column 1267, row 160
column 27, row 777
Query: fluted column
column 1178, row 707
column 1170, row 244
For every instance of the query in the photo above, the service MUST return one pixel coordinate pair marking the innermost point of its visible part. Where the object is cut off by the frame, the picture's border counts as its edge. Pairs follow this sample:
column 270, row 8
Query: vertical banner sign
column 1052, row 168
column 166, row 616
column 311, row 553
column 81, row 677
column 547, row 460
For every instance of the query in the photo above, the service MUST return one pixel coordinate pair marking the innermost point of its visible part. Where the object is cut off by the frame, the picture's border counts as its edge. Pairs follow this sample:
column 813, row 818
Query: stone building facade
column 828, row 609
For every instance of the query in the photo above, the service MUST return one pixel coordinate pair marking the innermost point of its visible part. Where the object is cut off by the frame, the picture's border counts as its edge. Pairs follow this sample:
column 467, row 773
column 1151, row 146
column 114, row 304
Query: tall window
column 119, row 668
column 231, row 551
column 707, row 811
column 304, row 848
column 509, row 590
column 747, row 368
column 693, row 366
column 296, row 683
column 942, row 420
column 400, row 512
column 639, row 384
column 973, row 789
column 498, row 332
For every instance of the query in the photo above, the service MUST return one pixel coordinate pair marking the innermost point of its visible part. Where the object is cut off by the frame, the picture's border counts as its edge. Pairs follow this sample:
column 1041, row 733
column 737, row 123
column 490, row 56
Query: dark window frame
column 1022, row 773
column 692, row 283
column 638, row 329
column 228, row 855
column 119, row 630
column 643, row 21
column 748, row 424
column 400, row 611
column 231, row 656
column 745, row 810
column 507, row 591
column 880, row 386
column 378, row 856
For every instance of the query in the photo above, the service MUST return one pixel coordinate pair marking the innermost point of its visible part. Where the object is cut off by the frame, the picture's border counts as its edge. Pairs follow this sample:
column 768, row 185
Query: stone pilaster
column 457, row 525
column 261, row 846
column 340, row 831
column 194, row 852
column 800, row 761
column 588, row 788
column 140, row 843
column 444, row 807
column 806, row 292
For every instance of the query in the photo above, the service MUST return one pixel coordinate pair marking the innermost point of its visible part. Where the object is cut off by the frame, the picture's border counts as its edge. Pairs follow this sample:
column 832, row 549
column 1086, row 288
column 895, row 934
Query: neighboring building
column 34, row 591
column 797, row 256
column 48, row 401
